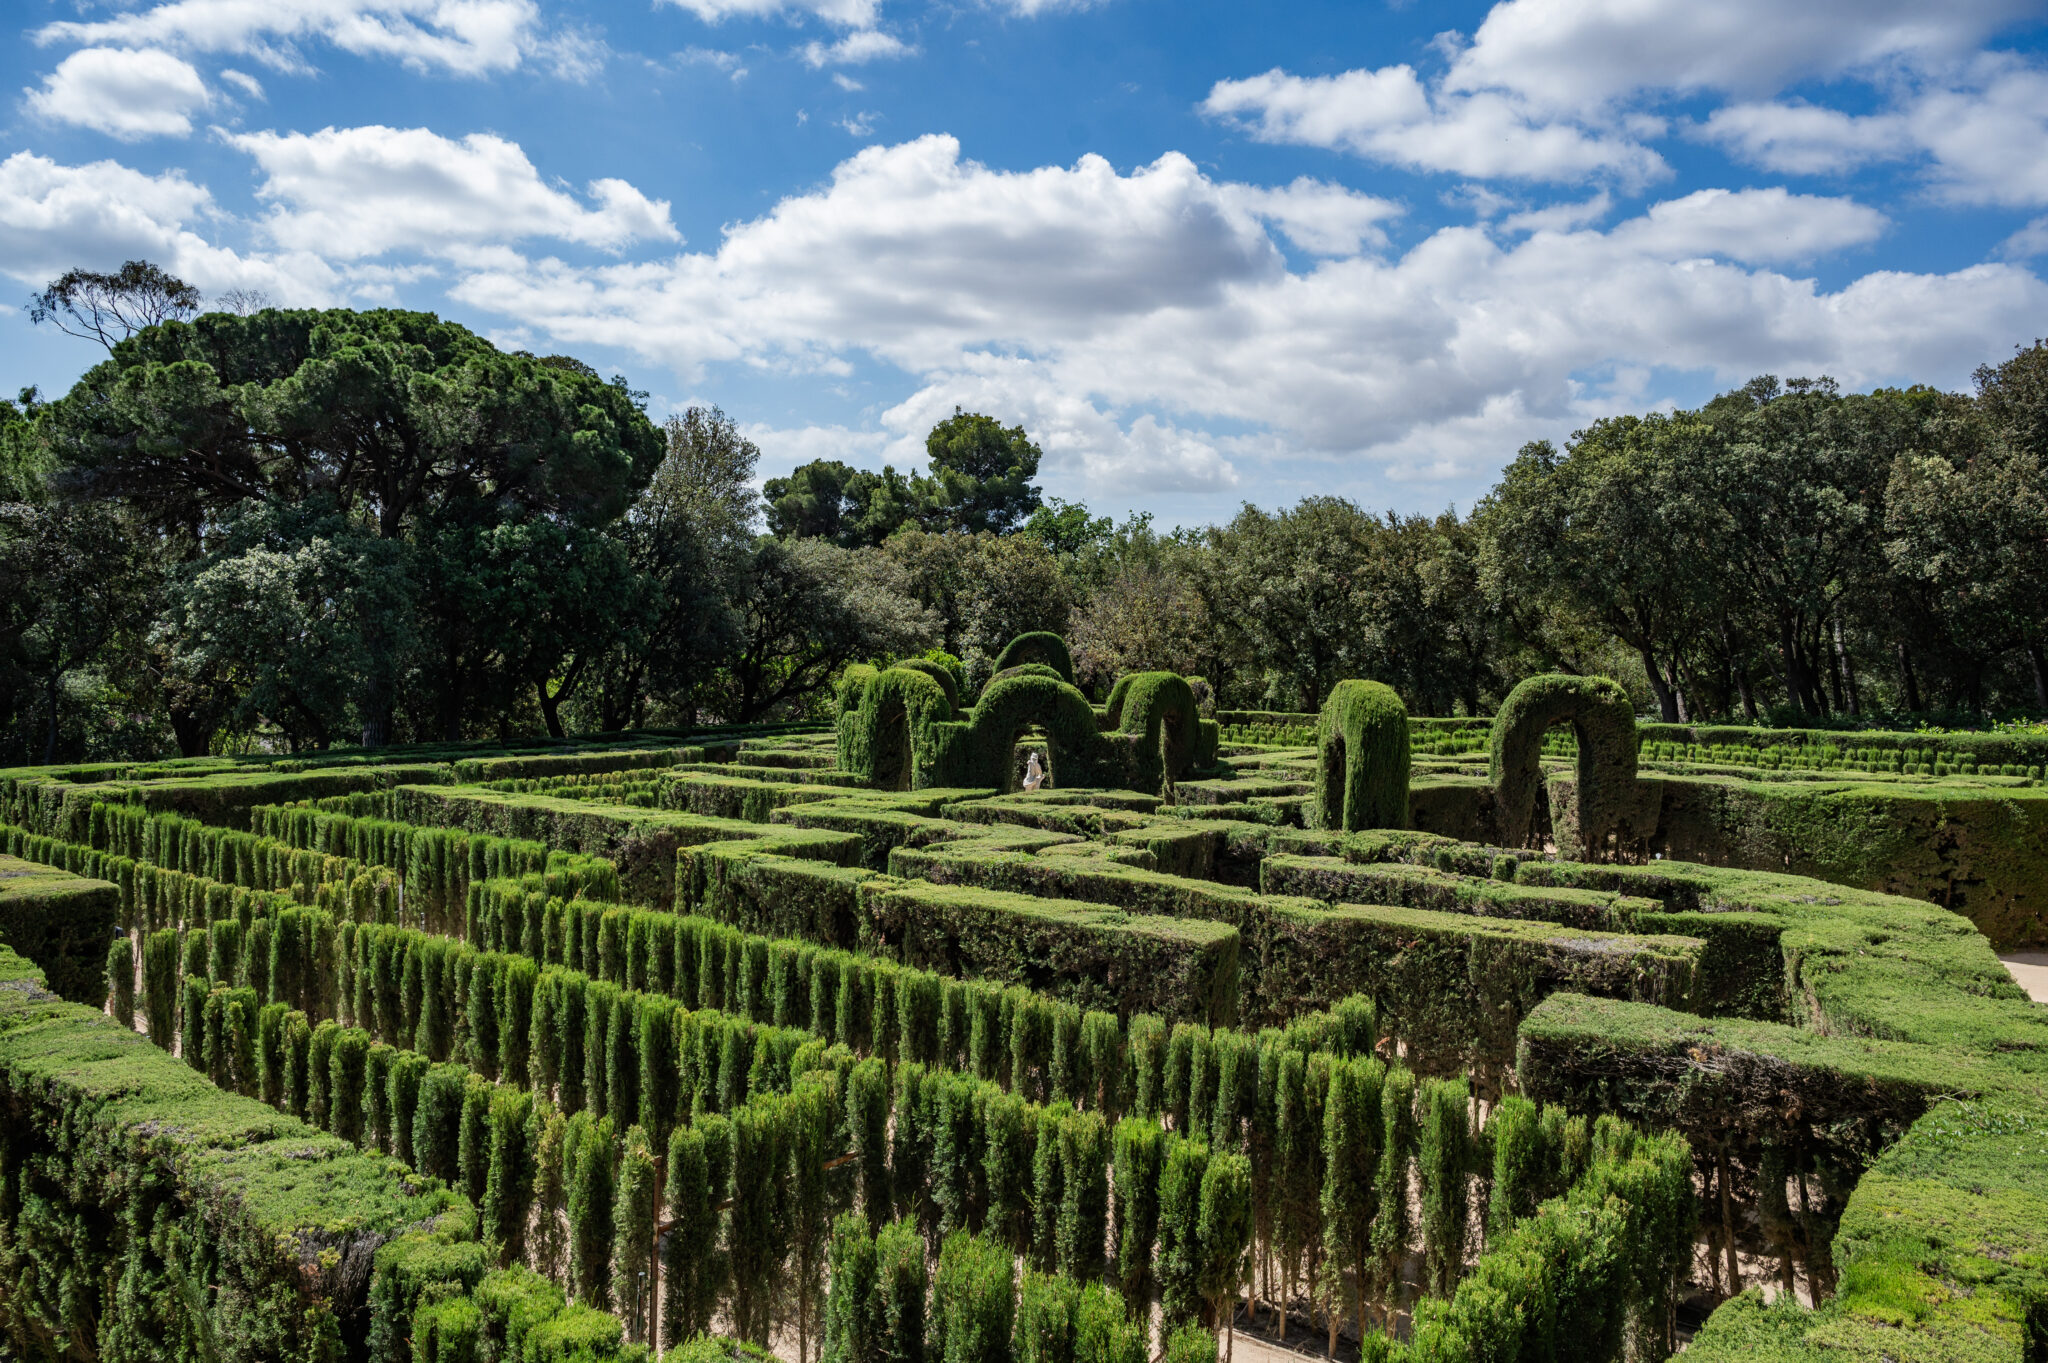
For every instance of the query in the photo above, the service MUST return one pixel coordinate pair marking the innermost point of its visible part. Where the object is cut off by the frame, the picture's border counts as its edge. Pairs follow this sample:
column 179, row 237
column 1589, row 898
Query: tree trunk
column 1667, row 705
column 50, row 695
column 550, row 708
column 1727, row 1222
column 194, row 735
column 1848, row 671
column 1909, row 681
column 2040, row 663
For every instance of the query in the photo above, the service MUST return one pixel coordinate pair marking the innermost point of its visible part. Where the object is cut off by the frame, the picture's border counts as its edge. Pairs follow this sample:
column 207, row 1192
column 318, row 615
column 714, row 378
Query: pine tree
column 692, row 1270
column 903, row 1282
column 956, row 1152
column 510, row 1176
column 810, row 1123
column 160, row 986
column 1353, row 1128
column 376, row 1096
column 1393, row 1222
column 910, row 1144
column 121, row 980
column 1179, row 1256
column 853, row 1330
column 758, row 1237
column 1105, row 1330
column 408, row 1069
column 1084, row 1195
column 587, row 1156
column 1146, row 1047
column 633, row 1221
column 270, row 1055
column 549, row 1253
column 1139, row 1143
column 1225, row 1235
column 320, row 1074
column 473, row 1136
column 1047, row 1189
column 1445, row 1159
column 1008, row 1134
column 1047, row 1309
column 975, row 1301
column 1520, row 1160
column 346, row 1065
column 437, row 1121
column 867, row 1121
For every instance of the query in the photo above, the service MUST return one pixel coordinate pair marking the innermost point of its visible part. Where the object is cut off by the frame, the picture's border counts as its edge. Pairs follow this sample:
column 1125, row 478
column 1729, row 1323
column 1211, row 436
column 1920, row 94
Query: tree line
column 277, row 529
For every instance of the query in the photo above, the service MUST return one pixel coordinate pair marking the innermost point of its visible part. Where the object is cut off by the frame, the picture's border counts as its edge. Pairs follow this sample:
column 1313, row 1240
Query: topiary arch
column 1041, row 646
column 1362, row 759
column 1604, row 721
column 898, row 730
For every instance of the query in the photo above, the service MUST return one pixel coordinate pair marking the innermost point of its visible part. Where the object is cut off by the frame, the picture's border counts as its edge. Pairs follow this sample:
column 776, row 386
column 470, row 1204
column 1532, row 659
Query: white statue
column 1034, row 775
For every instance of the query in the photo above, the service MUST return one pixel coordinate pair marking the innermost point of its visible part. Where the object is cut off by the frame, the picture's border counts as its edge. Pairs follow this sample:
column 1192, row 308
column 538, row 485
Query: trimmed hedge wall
column 176, row 1196
column 63, row 923
column 1362, row 758
column 1603, row 720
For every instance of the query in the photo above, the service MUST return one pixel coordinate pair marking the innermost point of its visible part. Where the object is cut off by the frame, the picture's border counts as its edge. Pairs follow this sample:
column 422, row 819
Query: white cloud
column 1150, row 319
column 1389, row 116
column 846, row 82
column 1319, row 217
column 354, row 192
column 1561, row 217
column 844, row 13
column 1579, row 55
column 244, row 82
column 126, row 93
column 2028, row 242
column 1755, row 226
column 1797, row 138
column 55, row 217
column 859, row 125
column 1981, row 129
column 857, row 49
column 465, row 37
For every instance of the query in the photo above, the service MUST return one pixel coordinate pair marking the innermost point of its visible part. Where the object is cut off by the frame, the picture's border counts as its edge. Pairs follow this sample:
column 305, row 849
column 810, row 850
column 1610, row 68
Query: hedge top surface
column 1039, row 647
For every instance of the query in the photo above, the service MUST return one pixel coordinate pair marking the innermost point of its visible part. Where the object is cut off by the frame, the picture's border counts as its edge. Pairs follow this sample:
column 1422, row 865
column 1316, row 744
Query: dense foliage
column 290, row 529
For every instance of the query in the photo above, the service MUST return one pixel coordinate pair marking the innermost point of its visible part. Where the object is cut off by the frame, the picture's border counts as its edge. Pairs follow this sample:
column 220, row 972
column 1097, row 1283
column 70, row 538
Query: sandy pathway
column 2030, row 968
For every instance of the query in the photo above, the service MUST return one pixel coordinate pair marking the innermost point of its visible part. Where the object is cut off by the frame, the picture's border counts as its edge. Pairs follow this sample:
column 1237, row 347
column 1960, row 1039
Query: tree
column 110, row 308
column 1066, row 528
column 1625, row 528
column 385, row 418
column 980, row 476
column 1225, row 1236
column 808, row 609
column 827, row 499
column 73, row 580
column 1284, row 585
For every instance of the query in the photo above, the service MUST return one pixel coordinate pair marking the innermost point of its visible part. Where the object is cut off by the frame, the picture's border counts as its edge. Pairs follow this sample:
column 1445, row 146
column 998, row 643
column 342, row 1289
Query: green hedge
column 63, row 923
column 1603, row 720
column 1362, row 758
column 186, row 1213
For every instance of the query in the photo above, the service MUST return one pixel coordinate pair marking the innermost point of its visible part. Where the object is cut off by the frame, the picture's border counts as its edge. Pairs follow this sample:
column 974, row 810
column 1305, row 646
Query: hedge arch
column 890, row 733
column 1603, row 719
column 1158, row 709
column 1009, row 705
column 938, row 673
column 1362, row 762
column 1041, row 646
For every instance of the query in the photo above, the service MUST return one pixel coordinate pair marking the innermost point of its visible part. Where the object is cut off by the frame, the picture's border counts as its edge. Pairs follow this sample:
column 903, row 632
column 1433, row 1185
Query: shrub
column 1362, row 761
column 1603, row 721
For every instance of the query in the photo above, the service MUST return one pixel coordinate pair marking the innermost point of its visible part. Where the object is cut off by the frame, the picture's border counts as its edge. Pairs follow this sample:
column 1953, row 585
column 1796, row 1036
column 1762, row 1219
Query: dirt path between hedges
column 2030, row 968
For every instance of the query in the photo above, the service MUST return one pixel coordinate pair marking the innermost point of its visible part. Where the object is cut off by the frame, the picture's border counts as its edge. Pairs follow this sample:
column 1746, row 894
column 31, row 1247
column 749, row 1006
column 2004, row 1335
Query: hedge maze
column 838, row 1043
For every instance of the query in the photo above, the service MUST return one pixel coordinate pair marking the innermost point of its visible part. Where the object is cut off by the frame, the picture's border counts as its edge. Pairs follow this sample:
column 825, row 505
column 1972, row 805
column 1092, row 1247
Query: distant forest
column 266, row 528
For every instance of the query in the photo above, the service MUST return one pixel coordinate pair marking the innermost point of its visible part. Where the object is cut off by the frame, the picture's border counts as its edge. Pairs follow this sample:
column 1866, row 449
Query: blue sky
column 1206, row 253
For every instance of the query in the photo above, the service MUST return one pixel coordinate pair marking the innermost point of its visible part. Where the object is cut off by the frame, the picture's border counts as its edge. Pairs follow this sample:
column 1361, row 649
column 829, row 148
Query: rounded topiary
column 1362, row 760
column 1604, row 721
column 1041, row 646
column 1160, row 706
column 887, row 726
column 939, row 673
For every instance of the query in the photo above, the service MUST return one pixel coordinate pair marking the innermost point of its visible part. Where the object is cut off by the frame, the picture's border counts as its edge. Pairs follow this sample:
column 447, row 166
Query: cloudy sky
column 1207, row 255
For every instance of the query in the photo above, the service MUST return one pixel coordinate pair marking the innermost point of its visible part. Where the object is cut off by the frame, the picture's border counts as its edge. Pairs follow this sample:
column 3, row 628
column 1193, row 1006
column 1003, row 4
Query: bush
column 1362, row 759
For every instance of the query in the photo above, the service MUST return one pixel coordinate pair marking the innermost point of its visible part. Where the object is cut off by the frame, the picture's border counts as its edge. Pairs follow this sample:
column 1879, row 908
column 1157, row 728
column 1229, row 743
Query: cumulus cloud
column 1150, row 318
column 125, row 93
column 1321, row 218
column 464, row 37
column 1981, row 129
column 844, row 13
column 1578, row 55
column 856, row 49
column 54, row 217
column 355, row 192
column 1389, row 116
